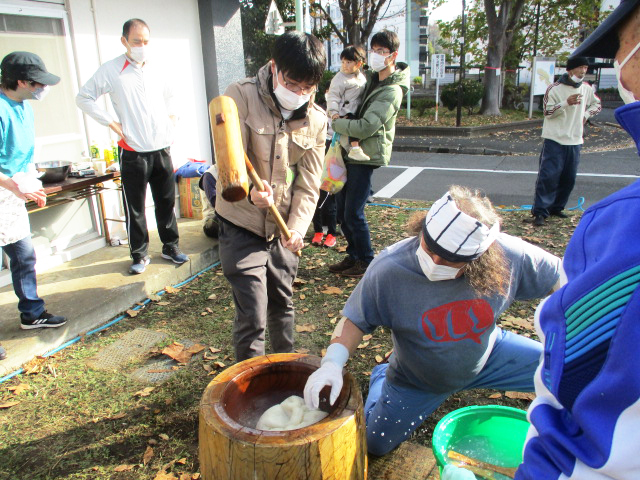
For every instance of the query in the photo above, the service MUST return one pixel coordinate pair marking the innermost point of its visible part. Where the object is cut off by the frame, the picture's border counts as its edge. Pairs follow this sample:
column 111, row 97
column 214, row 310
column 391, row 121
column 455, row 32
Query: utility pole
column 461, row 76
column 535, row 37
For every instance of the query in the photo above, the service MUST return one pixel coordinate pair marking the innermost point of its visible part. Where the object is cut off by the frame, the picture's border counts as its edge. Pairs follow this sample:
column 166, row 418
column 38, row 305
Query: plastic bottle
column 108, row 156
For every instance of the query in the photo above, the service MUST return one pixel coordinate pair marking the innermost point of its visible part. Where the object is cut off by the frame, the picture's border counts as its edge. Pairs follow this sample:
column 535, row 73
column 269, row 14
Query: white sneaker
column 356, row 153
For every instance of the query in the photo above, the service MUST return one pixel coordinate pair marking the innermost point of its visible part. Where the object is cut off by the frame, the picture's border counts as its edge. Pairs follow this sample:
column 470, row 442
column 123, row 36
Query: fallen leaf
column 379, row 359
column 307, row 327
column 162, row 475
column 208, row 309
column 219, row 364
column 302, row 350
column 520, row 395
column 332, row 291
column 145, row 392
column 213, row 296
column 333, row 320
column 182, row 461
column 164, row 436
column 204, row 314
column 170, row 289
column 363, row 345
column 148, row 455
column 177, row 352
column 368, row 337
column 197, row 348
column 124, row 468
column 118, row 416
column 164, row 304
column 214, row 349
column 495, row 395
column 18, row 389
column 9, row 404
column 132, row 313
column 207, row 368
column 302, row 296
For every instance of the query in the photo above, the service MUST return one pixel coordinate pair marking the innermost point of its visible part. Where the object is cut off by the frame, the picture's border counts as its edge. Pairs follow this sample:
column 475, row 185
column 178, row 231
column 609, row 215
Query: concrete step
column 95, row 288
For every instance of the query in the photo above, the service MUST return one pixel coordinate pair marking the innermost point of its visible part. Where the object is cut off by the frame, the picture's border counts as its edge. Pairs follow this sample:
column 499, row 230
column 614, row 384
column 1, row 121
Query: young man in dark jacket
column 375, row 128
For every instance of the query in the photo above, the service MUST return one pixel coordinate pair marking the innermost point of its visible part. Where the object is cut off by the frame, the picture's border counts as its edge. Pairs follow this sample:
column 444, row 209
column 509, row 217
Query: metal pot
column 54, row 171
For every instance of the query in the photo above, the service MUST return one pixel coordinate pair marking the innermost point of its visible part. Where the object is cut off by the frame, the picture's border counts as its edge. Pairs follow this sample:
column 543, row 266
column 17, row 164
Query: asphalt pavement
column 609, row 162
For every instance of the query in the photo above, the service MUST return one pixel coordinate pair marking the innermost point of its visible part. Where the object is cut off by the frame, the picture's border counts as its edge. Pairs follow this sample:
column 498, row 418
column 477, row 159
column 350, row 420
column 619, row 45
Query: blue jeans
column 556, row 177
column 22, row 258
column 351, row 201
column 393, row 411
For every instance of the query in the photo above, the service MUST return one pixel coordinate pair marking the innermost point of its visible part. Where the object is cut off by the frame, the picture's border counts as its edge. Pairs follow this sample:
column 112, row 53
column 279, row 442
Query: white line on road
column 486, row 170
column 398, row 183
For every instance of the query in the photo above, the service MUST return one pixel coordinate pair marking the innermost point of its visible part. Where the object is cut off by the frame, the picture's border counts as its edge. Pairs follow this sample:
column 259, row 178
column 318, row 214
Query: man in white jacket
column 146, row 110
column 568, row 104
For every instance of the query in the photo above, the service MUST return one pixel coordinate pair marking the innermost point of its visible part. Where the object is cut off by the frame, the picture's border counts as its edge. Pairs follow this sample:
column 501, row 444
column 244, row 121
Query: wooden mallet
column 232, row 161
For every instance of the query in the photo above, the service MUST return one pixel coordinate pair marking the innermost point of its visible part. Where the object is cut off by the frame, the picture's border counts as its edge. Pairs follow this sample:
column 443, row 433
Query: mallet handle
column 257, row 182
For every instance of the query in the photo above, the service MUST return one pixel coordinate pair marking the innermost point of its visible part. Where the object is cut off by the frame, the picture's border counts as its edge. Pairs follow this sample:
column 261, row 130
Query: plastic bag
column 334, row 173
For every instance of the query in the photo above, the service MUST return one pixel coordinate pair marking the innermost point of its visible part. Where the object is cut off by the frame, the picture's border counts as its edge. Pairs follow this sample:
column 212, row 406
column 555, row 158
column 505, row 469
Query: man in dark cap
column 568, row 104
column 24, row 77
column 586, row 415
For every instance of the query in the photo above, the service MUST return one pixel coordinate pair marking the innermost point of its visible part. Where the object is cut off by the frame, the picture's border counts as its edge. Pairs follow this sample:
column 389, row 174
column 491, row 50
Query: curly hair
column 488, row 274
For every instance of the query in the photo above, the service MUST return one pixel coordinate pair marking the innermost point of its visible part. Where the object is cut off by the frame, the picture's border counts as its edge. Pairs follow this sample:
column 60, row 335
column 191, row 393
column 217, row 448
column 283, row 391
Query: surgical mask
column 139, row 54
column 575, row 79
column 376, row 61
column 287, row 99
column 626, row 95
column 432, row 270
column 40, row 92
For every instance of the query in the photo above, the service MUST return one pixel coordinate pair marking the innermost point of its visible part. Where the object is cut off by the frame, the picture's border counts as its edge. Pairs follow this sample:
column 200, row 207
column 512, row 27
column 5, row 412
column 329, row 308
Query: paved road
column 507, row 180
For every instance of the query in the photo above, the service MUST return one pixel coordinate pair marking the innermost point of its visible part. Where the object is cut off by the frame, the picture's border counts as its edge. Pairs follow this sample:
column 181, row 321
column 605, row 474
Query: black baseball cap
column 27, row 66
column 603, row 42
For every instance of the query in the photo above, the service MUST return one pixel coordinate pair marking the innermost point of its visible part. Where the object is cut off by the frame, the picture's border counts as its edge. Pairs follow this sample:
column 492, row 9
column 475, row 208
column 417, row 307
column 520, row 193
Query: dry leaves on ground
column 180, row 354
column 332, row 291
column 18, row 389
column 307, row 327
column 148, row 455
column 8, row 404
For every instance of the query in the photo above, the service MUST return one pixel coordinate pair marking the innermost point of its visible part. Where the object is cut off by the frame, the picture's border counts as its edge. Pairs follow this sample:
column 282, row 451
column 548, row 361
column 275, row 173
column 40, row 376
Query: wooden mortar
column 231, row 448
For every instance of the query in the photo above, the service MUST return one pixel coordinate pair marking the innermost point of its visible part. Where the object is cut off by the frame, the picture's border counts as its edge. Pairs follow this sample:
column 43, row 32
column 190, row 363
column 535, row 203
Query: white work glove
column 329, row 373
column 27, row 182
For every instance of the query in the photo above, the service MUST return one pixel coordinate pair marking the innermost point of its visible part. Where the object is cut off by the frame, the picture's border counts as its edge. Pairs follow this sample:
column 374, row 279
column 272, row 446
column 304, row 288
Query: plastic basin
column 491, row 433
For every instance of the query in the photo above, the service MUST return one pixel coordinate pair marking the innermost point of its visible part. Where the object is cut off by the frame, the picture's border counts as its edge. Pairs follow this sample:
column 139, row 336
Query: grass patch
column 447, row 118
column 74, row 422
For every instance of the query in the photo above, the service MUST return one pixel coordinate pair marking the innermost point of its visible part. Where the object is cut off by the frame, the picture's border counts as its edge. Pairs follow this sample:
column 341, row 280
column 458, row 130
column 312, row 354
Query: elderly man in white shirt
column 146, row 110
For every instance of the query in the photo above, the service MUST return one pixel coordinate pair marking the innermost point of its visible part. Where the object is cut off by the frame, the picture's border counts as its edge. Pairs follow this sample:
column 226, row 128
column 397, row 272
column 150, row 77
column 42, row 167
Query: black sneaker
column 358, row 269
column 45, row 320
column 538, row 220
column 559, row 214
column 175, row 255
column 347, row 262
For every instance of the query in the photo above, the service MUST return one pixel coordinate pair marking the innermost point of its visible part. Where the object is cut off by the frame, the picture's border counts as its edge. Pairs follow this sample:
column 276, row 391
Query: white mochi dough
column 291, row 414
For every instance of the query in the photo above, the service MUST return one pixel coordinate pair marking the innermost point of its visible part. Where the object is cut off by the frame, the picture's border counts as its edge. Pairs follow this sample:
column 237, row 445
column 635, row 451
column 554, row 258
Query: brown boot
column 347, row 262
column 357, row 270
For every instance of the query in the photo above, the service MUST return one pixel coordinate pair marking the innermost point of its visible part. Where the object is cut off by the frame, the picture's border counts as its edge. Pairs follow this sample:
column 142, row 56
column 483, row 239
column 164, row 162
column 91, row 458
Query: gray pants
column 261, row 275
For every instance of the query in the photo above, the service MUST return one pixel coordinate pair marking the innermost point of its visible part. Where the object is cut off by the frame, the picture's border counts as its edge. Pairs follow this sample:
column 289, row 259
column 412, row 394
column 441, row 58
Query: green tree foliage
column 472, row 92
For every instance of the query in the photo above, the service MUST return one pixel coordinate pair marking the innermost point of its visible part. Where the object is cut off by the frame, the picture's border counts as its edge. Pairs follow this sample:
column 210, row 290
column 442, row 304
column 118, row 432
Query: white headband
column 454, row 235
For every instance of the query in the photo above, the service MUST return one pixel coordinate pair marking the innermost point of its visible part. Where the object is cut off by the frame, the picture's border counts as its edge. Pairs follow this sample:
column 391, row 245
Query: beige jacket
column 289, row 154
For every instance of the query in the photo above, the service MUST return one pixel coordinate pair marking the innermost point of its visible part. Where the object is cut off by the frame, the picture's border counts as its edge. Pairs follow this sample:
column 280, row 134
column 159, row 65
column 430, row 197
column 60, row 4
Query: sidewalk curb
column 444, row 149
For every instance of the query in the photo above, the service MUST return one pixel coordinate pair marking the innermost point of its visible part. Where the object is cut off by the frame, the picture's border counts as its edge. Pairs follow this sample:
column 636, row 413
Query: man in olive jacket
column 283, row 132
column 375, row 128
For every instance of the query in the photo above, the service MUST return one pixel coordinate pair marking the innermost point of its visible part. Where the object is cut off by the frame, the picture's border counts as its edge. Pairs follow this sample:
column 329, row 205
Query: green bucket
column 490, row 433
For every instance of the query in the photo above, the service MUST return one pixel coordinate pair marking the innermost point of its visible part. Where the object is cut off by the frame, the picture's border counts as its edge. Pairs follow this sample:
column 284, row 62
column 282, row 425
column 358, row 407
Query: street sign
column 274, row 24
column 437, row 65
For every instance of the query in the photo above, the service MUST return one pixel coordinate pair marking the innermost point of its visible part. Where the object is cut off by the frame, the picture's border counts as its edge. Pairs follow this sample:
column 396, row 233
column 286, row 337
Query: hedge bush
column 472, row 92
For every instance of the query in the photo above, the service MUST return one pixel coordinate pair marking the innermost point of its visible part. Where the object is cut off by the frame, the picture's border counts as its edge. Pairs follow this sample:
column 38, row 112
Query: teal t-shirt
column 17, row 136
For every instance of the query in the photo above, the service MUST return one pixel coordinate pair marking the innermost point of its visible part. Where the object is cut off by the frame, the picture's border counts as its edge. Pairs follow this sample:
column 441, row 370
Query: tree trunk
column 502, row 26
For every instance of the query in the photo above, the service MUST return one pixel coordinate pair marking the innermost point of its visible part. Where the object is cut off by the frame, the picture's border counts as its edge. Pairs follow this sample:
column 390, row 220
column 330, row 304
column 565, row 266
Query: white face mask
column 287, row 99
column 575, row 79
column 626, row 95
column 376, row 61
column 432, row 270
column 139, row 54
column 40, row 92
